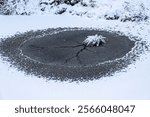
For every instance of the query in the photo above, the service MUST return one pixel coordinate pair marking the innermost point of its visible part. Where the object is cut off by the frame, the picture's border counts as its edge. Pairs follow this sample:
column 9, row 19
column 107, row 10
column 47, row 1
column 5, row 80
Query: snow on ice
column 130, row 17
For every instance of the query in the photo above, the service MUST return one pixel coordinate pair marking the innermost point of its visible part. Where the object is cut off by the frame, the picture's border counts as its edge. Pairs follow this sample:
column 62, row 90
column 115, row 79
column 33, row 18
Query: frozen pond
column 60, row 54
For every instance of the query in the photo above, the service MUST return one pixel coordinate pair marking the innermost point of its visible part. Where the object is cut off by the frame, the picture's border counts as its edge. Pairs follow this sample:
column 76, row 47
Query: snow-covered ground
column 122, row 10
column 132, row 84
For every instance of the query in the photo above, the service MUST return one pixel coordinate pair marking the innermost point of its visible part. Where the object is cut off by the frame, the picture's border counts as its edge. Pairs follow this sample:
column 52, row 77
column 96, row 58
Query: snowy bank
column 123, row 10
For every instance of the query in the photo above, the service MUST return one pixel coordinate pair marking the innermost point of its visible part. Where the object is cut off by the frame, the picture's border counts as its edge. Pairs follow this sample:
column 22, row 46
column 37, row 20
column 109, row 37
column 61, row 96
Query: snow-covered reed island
column 94, row 40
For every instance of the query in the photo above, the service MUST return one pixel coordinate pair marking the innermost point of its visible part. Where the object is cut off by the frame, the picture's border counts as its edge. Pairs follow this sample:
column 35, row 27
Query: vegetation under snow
column 123, row 10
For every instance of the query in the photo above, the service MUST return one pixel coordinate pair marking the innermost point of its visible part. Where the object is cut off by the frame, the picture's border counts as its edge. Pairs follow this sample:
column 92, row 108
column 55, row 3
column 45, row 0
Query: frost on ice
column 94, row 40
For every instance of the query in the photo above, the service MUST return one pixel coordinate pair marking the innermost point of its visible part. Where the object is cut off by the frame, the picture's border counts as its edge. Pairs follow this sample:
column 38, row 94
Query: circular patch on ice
column 66, row 48
column 70, row 54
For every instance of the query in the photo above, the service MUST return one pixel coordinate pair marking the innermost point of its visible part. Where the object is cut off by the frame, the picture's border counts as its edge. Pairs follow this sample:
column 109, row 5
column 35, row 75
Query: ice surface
column 133, row 84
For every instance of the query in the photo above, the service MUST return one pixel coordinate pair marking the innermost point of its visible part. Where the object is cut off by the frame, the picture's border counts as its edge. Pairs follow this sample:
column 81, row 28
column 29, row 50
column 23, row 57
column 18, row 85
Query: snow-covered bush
column 20, row 7
column 129, row 10
column 5, row 8
column 94, row 40
column 58, row 2
column 2, row 2
column 123, row 10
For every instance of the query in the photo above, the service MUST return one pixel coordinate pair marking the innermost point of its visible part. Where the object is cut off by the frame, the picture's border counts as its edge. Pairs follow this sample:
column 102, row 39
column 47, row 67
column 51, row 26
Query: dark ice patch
column 59, row 54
